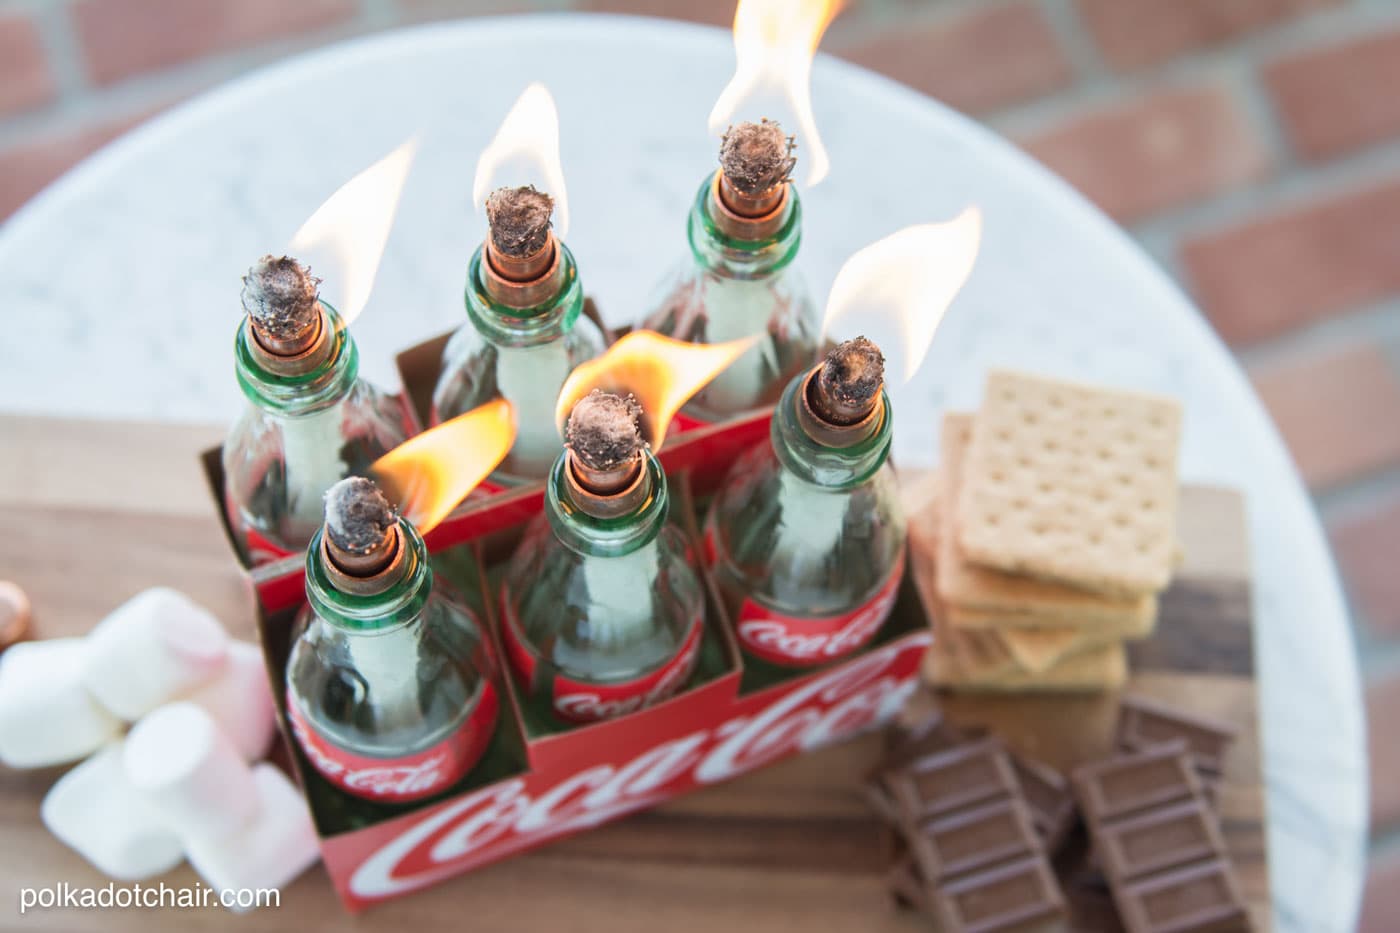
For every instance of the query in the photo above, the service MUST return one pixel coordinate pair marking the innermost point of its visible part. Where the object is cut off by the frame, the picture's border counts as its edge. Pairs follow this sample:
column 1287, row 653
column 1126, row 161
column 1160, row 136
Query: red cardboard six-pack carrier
column 537, row 782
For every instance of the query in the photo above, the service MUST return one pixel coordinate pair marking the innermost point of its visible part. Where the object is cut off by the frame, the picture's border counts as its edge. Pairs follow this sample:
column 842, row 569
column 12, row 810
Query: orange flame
column 661, row 372
column 774, row 43
column 525, row 151
column 429, row 474
column 913, row 275
column 345, row 238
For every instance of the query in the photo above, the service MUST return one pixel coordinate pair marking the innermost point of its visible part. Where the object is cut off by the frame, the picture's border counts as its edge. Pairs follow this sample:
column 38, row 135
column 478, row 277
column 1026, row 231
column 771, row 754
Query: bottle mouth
column 522, row 282
column 297, row 355
column 831, row 422
column 748, row 217
column 369, row 573
column 609, row 493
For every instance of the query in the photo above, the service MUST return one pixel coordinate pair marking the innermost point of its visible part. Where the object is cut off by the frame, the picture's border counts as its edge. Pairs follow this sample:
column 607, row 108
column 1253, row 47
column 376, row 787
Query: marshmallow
column 188, row 769
column 46, row 716
column 240, row 701
column 95, row 810
column 154, row 647
column 277, row 846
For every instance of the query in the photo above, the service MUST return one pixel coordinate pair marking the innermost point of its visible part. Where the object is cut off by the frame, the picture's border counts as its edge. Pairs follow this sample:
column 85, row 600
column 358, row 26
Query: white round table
column 120, row 289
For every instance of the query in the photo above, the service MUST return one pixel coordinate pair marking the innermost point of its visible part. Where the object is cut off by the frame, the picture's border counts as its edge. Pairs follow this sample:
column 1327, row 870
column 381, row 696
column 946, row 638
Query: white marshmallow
column 95, row 810
column 154, row 647
column 271, row 851
column 46, row 716
column 240, row 701
column 190, row 771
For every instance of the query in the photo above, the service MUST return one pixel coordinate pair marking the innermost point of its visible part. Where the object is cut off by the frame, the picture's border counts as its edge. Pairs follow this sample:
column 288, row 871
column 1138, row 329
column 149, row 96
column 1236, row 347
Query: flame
column 914, row 274
column 346, row 236
column 530, row 135
column 774, row 43
column 661, row 372
column 429, row 474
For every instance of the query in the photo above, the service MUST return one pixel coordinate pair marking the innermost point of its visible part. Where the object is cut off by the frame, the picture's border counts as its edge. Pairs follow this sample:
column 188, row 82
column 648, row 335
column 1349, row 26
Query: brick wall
column 1252, row 146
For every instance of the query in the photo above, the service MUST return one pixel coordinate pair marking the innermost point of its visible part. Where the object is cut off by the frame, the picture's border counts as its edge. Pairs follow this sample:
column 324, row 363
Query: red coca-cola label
column 798, row 641
column 522, row 812
column 405, row 778
column 262, row 551
column 583, row 701
column 682, row 422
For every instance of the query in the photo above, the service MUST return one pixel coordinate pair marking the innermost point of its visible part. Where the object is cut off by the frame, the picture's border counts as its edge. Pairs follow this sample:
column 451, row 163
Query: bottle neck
column 543, row 323
column 821, row 464
column 724, row 255
column 303, row 394
column 606, row 537
column 400, row 606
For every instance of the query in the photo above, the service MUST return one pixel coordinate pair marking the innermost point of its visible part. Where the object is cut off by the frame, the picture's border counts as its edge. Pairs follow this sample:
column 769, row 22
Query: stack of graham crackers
column 1055, row 532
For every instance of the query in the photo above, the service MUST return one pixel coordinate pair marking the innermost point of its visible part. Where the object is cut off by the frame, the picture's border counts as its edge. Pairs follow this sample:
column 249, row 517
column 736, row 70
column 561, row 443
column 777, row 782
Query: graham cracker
column 1072, row 483
column 1131, row 629
column 1101, row 669
column 966, row 586
column 1039, row 649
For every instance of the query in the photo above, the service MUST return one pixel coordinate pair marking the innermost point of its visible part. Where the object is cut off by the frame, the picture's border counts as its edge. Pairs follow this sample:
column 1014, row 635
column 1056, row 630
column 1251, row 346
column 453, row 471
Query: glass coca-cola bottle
column 525, row 332
column 390, row 685
column 310, row 419
column 738, row 279
column 806, row 537
column 601, row 613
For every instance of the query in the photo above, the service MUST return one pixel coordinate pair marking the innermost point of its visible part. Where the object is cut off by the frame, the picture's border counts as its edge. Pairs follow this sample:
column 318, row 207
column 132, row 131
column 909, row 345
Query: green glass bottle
column 806, row 537
column 744, row 230
column 525, row 333
column 390, row 682
column 601, row 612
column 310, row 421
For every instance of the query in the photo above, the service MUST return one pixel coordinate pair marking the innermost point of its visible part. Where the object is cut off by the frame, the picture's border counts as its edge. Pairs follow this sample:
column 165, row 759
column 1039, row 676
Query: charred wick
column 358, row 516
column 604, row 430
column 281, row 295
column 849, row 382
column 520, row 219
column 756, row 157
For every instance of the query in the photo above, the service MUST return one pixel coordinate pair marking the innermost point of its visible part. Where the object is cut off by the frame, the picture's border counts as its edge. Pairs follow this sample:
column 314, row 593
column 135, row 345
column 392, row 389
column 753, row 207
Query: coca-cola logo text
column 519, row 813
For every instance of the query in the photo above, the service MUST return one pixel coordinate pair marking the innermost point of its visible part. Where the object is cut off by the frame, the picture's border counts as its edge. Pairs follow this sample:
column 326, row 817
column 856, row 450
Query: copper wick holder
column 293, row 356
column 748, row 217
column 367, row 574
column 522, row 282
column 817, row 419
column 606, row 493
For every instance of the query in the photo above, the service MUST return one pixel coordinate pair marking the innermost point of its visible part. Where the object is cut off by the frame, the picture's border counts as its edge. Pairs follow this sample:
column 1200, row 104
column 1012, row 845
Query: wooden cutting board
column 91, row 513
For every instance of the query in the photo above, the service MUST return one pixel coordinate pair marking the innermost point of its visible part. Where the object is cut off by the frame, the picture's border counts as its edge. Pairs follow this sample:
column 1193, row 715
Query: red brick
column 1298, row 266
column 1368, row 548
column 1155, row 152
column 1382, row 714
column 1339, row 98
column 121, row 38
column 1338, row 412
column 1137, row 33
column 976, row 61
column 25, row 82
column 25, row 170
column 1380, row 911
column 698, row 11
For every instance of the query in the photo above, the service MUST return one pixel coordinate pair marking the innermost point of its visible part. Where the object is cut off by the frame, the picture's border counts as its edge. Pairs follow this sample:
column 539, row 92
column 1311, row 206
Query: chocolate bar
column 948, row 781
column 1019, row 895
column 1201, row 897
column 1051, row 803
column 973, row 839
column 1127, row 784
column 1143, row 723
column 1158, row 842
column 1159, row 839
